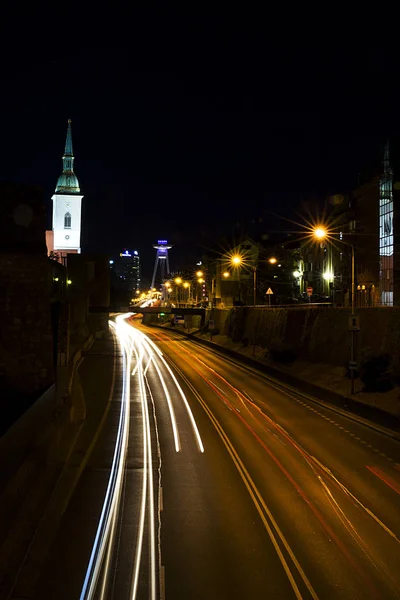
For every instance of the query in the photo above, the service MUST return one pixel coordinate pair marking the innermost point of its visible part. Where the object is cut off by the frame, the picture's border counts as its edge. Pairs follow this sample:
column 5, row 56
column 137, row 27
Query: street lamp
column 272, row 260
column 320, row 233
column 236, row 260
column 186, row 285
column 178, row 281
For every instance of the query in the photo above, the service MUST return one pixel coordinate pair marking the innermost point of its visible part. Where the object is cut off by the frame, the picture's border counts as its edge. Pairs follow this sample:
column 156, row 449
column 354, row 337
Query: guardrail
column 297, row 305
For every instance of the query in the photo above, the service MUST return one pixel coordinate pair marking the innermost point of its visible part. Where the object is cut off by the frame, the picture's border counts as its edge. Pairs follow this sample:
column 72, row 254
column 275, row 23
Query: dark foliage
column 282, row 353
column 375, row 372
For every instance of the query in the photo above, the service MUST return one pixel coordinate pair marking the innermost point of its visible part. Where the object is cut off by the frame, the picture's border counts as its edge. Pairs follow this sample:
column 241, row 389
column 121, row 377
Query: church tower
column 67, row 206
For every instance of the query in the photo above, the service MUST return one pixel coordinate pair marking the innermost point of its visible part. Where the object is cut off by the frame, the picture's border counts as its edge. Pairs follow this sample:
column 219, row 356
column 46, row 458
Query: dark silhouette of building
column 125, row 278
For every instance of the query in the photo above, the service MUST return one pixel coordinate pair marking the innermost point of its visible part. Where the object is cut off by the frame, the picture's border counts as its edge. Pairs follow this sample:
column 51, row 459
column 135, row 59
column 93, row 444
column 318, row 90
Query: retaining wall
column 318, row 335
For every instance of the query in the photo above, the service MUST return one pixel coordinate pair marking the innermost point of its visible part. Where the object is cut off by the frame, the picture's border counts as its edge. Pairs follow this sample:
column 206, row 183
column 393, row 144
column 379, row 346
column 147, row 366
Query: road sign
column 309, row 291
column 354, row 323
column 269, row 291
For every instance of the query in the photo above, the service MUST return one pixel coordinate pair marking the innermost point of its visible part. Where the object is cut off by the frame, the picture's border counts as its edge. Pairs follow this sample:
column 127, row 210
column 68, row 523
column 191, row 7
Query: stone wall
column 26, row 350
column 318, row 335
column 26, row 340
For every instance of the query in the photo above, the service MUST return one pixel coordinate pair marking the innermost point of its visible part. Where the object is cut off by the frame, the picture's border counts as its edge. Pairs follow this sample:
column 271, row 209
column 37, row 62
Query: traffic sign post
column 354, row 323
column 269, row 293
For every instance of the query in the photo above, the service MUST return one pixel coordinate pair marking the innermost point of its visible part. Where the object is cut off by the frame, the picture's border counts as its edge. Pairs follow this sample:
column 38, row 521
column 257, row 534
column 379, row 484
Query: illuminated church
column 65, row 236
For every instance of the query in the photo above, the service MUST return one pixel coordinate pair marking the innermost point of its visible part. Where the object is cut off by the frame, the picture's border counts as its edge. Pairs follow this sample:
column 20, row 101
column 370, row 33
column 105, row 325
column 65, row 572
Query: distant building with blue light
column 125, row 275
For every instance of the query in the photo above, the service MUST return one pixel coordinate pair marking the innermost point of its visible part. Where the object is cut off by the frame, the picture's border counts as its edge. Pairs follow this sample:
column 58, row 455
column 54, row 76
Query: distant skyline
column 192, row 123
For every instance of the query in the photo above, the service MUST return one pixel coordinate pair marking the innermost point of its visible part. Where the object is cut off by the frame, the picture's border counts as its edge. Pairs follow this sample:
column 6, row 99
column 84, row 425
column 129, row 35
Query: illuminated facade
column 65, row 237
column 386, row 232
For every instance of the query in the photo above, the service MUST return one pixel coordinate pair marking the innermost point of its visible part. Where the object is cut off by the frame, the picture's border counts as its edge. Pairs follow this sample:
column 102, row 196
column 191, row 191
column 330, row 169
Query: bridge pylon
column 162, row 248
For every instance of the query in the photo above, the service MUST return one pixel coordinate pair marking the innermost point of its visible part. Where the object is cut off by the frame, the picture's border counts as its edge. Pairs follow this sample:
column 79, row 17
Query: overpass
column 146, row 310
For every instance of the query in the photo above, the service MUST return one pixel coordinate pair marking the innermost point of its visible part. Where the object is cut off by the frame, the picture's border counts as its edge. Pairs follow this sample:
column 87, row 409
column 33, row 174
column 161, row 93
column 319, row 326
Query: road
column 210, row 481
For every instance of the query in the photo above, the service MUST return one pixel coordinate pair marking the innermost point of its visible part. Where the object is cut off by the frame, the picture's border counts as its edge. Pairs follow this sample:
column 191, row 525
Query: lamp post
column 200, row 281
column 178, row 281
column 320, row 233
column 236, row 261
column 254, row 284
column 186, row 285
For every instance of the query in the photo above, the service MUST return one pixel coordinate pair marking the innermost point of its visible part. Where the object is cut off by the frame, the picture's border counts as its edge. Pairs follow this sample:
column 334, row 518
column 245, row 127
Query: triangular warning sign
column 269, row 291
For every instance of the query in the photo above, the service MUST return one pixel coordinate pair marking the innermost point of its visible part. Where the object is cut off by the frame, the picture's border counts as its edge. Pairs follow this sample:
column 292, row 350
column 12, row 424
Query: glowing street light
column 226, row 274
column 236, row 260
column 272, row 260
column 320, row 233
column 199, row 273
column 178, row 280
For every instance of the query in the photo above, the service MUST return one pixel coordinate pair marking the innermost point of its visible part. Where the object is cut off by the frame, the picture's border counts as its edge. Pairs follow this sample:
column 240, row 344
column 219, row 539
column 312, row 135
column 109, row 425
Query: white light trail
column 139, row 542
column 132, row 341
column 147, row 478
column 114, row 486
column 170, row 408
column 189, row 411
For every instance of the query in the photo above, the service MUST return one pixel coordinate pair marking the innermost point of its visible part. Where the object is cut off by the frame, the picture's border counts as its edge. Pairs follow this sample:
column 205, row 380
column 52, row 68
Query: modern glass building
column 125, row 275
column 386, row 233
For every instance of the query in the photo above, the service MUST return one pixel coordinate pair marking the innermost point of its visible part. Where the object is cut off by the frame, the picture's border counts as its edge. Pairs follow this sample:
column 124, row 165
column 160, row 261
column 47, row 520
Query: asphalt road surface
column 210, row 481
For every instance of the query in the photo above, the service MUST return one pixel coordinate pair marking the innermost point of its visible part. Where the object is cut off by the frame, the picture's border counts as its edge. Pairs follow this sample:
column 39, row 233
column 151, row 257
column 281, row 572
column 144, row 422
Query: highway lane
column 166, row 528
column 331, row 484
column 206, row 481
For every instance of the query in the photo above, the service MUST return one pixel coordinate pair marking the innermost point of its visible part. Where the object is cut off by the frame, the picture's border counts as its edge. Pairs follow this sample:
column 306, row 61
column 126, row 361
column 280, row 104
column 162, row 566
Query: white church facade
column 65, row 236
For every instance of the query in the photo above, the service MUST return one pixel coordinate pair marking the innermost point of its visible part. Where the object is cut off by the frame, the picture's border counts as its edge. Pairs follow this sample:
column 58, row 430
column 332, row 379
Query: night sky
column 182, row 122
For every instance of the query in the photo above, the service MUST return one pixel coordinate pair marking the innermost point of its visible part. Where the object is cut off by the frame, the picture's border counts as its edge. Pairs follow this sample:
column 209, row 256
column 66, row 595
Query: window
column 386, row 238
column 67, row 220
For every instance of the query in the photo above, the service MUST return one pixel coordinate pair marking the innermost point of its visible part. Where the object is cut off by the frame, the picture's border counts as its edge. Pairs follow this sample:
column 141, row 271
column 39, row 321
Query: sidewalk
column 93, row 381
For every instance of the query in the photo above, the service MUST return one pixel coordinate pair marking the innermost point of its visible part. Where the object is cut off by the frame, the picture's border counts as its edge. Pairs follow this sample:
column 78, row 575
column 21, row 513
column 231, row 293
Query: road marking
column 286, row 390
column 279, row 440
column 218, row 388
column 280, row 389
column 259, row 504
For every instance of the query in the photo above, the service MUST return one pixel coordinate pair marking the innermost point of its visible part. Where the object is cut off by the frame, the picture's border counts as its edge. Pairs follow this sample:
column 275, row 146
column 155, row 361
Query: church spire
column 68, row 142
column 68, row 182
